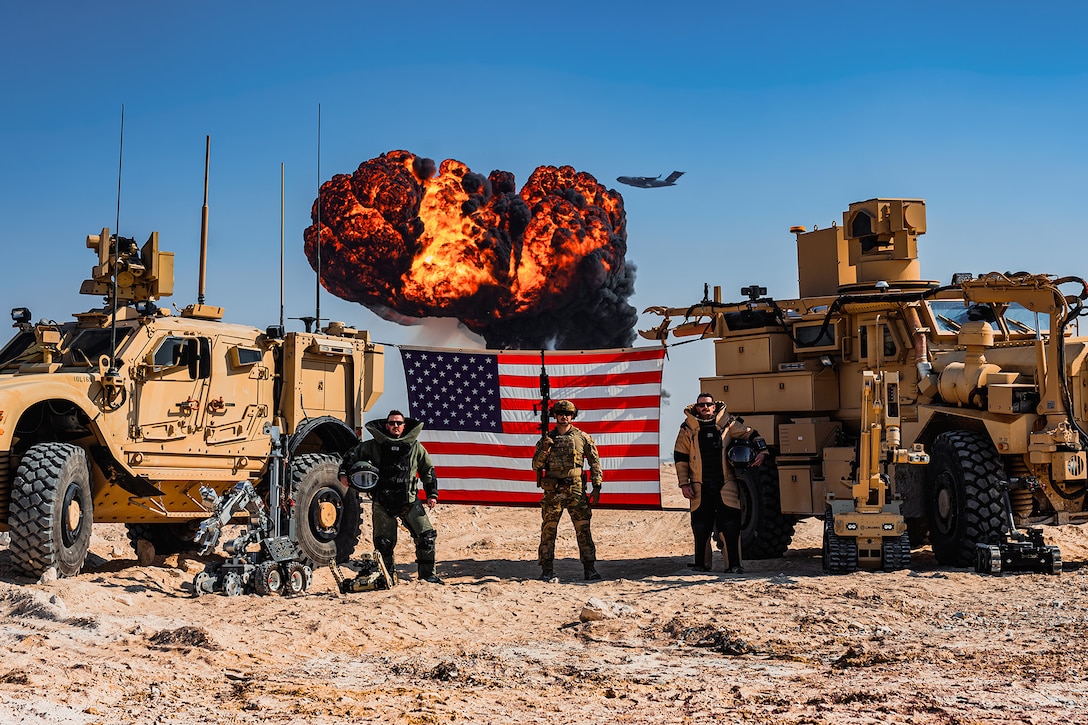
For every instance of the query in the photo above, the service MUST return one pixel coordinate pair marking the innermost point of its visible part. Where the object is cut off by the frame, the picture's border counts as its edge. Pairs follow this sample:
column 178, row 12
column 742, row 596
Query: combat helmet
column 565, row 407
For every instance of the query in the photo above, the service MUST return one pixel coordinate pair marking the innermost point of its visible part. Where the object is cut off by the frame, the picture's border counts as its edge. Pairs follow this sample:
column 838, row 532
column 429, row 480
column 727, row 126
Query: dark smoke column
column 543, row 267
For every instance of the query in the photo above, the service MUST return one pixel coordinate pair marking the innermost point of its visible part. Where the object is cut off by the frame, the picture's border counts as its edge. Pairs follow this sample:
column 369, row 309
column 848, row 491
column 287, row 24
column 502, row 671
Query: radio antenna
column 317, row 292
column 116, row 246
column 281, row 245
column 204, row 224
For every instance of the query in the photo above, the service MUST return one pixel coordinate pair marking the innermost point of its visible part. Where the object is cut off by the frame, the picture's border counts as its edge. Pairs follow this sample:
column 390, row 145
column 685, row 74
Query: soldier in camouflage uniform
column 558, row 460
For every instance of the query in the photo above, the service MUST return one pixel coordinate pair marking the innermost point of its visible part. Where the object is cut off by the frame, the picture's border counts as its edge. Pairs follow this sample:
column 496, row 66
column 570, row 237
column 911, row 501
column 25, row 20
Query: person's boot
column 591, row 573
column 425, row 572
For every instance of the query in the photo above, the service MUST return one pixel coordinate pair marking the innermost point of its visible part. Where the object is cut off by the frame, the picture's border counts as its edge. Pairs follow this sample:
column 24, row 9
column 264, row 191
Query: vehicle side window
column 890, row 348
column 170, row 352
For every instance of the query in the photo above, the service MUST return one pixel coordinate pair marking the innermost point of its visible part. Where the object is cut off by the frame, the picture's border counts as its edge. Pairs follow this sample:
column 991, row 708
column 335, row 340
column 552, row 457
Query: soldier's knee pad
column 426, row 541
column 384, row 545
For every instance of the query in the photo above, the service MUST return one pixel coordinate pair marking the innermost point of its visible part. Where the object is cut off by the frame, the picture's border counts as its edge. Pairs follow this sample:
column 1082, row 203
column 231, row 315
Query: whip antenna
column 317, row 292
column 204, row 224
column 116, row 246
column 281, row 245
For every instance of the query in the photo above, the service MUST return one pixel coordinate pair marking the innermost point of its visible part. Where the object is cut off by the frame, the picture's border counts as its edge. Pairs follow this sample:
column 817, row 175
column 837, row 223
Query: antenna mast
column 204, row 224
column 317, row 292
column 281, row 245
column 116, row 245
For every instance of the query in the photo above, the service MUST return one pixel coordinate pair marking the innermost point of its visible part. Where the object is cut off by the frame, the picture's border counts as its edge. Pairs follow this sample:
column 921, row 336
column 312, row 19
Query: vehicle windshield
column 16, row 348
column 79, row 347
column 87, row 345
column 951, row 314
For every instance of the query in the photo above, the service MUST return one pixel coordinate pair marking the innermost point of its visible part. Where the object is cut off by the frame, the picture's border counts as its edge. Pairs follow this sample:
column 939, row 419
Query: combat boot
column 425, row 571
column 547, row 575
column 591, row 573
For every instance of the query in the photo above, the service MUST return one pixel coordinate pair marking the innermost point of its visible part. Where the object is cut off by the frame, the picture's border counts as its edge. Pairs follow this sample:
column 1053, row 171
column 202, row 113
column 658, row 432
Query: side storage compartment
column 800, row 486
column 839, row 472
column 755, row 354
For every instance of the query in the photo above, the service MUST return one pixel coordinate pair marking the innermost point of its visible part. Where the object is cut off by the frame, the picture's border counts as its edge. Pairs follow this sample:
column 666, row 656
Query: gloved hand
column 545, row 443
column 687, row 491
column 595, row 495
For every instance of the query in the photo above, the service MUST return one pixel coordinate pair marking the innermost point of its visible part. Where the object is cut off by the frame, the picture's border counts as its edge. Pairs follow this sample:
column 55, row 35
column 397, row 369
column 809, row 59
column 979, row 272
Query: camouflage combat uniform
column 564, row 488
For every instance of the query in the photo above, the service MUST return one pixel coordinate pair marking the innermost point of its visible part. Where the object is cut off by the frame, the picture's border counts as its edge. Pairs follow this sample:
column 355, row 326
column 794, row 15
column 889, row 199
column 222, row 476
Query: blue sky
column 780, row 113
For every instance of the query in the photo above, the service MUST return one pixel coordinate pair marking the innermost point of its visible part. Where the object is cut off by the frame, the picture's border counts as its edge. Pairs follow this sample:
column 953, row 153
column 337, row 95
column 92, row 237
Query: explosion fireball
column 543, row 267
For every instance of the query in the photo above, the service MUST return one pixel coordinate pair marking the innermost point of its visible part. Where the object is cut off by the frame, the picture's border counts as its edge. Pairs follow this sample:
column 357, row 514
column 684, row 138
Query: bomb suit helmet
column 565, row 407
column 363, row 476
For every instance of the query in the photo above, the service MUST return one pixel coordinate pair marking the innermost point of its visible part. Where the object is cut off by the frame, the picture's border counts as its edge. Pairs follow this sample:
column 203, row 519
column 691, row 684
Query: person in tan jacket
column 707, row 477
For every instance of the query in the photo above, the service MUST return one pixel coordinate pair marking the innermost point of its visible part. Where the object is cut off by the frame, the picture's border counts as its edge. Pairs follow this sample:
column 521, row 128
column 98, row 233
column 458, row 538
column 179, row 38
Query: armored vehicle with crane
column 990, row 380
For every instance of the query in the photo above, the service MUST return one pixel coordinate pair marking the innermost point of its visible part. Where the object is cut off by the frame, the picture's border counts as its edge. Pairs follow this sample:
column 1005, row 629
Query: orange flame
column 515, row 267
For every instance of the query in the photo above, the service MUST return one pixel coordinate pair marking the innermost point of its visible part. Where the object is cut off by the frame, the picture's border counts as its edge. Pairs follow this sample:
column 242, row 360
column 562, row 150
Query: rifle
column 545, row 404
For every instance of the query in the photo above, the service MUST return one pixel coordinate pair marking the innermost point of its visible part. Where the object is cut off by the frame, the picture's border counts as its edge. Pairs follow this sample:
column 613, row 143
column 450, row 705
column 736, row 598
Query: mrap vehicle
column 122, row 414
column 989, row 379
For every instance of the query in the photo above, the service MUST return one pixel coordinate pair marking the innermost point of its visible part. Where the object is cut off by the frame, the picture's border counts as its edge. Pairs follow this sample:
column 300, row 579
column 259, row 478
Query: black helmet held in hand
column 363, row 476
column 740, row 454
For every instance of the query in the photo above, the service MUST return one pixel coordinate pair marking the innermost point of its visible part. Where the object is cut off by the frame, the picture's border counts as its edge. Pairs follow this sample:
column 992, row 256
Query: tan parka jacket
column 686, row 454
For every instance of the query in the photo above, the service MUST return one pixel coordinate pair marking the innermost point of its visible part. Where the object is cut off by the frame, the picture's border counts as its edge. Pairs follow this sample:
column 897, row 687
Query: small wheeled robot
column 1020, row 550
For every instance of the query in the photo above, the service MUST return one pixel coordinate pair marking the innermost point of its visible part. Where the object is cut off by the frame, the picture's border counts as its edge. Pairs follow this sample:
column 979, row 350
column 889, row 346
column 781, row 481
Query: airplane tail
column 673, row 177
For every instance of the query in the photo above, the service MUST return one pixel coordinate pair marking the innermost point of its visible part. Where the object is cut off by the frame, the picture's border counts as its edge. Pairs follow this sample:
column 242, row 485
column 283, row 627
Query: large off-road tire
column 328, row 513
column 173, row 538
column 765, row 533
column 51, row 510
column 964, row 498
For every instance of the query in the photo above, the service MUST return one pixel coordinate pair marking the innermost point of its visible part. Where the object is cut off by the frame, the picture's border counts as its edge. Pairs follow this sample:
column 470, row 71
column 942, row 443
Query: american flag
column 481, row 414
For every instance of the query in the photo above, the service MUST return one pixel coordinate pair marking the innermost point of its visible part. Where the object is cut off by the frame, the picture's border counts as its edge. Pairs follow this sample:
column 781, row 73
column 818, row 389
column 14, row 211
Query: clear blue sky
column 780, row 113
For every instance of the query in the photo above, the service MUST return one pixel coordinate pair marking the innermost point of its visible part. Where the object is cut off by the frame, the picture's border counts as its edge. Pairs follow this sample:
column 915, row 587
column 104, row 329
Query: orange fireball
column 545, row 267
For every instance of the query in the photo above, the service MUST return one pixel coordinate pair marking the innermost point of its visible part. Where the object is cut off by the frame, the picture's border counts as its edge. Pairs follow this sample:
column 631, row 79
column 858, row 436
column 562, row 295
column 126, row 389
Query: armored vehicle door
column 239, row 398
column 172, row 393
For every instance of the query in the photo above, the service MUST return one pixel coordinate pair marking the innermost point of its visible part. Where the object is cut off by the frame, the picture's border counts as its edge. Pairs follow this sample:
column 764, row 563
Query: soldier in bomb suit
column 403, row 463
column 559, row 459
column 705, row 461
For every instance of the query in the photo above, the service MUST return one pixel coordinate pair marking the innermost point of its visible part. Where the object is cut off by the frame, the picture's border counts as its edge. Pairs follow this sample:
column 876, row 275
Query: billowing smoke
column 543, row 267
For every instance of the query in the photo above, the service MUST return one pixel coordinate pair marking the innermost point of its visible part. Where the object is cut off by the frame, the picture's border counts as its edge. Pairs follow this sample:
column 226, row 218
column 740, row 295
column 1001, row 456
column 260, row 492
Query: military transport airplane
column 649, row 182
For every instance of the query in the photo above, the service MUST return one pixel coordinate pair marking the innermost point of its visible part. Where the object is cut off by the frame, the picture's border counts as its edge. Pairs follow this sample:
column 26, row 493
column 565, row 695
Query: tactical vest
column 566, row 456
column 394, row 489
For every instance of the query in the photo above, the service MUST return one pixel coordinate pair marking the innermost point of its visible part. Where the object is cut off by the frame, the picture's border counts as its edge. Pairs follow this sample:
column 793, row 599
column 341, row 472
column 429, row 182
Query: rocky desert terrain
column 653, row 642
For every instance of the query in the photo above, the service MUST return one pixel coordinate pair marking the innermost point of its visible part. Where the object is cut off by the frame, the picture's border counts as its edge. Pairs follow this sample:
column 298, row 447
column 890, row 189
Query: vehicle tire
column 765, row 533
column 267, row 579
column 328, row 514
column 964, row 499
column 51, row 510
column 294, row 580
column 172, row 538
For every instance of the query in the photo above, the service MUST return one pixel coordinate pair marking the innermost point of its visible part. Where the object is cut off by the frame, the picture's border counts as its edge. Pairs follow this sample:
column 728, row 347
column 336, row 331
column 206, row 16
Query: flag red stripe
column 559, row 382
column 589, row 426
column 629, row 475
column 630, row 501
column 615, row 403
column 581, row 358
column 445, row 448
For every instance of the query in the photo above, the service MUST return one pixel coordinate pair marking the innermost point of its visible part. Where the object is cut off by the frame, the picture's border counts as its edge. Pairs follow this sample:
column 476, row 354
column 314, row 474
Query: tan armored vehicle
column 122, row 417
column 985, row 374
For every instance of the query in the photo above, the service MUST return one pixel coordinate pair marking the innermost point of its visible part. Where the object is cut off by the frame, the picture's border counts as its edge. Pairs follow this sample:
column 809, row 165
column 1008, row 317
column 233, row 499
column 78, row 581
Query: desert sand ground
column 782, row 643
